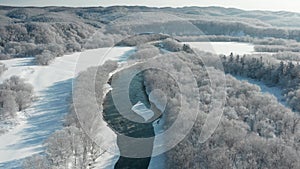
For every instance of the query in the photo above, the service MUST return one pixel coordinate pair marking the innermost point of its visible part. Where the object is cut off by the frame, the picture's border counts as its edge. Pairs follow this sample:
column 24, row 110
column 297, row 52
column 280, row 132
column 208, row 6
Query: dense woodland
column 44, row 34
column 286, row 75
column 255, row 131
column 15, row 96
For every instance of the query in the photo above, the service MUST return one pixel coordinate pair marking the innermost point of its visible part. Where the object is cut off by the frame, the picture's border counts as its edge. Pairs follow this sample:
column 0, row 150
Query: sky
column 272, row 5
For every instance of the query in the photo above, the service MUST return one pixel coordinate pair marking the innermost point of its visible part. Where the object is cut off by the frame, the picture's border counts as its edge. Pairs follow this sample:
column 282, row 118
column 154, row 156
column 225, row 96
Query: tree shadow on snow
column 46, row 116
column 25, row 62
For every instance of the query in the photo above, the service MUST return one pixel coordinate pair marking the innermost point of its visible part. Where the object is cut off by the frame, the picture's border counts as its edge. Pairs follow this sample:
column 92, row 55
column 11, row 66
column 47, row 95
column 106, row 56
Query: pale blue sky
column 274, row 5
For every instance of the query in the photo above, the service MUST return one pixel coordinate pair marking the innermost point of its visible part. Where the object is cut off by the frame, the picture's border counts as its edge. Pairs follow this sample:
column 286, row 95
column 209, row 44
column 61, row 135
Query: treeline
column 255, row 131
column 239, row 28
column 215, row 38
column 287, row 56
column 141, row 39
column 277, row 48
column 144, row 51
column 173, row 45
column 71, row 146
column 285, row 74
column 15, row 96
column 46, row 33
column 149, row 50
column 44, row 41
column 283, row 49
column 269, row 41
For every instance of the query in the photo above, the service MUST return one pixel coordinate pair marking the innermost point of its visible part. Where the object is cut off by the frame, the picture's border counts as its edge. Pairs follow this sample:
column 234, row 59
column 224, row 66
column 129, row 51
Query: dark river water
column 125, row 127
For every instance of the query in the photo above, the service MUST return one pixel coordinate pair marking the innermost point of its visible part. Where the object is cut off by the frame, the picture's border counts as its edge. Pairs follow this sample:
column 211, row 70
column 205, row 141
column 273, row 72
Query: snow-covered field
column 225, row 47
column 53, row 87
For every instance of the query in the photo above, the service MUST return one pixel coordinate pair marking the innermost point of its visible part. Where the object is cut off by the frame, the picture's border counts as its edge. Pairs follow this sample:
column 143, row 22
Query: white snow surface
column 225, row 47
column 140, row 109
column 53, row 86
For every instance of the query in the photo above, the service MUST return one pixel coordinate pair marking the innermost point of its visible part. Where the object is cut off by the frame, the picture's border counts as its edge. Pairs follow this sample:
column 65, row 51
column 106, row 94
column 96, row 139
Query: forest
column 284, row 74
column 255, row 131
column 72, row 146
column 247, row 127
column 42, row 32
column 15, row 96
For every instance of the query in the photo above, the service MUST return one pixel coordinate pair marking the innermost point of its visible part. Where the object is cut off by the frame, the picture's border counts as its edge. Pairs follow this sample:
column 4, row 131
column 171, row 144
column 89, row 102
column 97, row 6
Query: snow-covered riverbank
column 53, row 87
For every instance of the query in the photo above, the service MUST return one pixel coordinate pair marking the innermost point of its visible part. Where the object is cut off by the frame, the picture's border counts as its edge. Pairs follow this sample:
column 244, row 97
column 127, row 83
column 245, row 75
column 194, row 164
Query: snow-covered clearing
column 53, row 87
column 225, row 47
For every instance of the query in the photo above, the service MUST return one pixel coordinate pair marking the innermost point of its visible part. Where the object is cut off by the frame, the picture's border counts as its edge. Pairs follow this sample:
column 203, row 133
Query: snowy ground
column 53, row 87
column 226, row 47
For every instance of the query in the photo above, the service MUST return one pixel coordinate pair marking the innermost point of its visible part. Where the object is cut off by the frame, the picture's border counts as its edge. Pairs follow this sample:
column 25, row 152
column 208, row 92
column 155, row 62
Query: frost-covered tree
column 36, row 162
column 65, row 148
column 261, row 135
column 44, row 58
column 144, row 51
column 71, row 147
column 3, row 68
column 15, row 95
